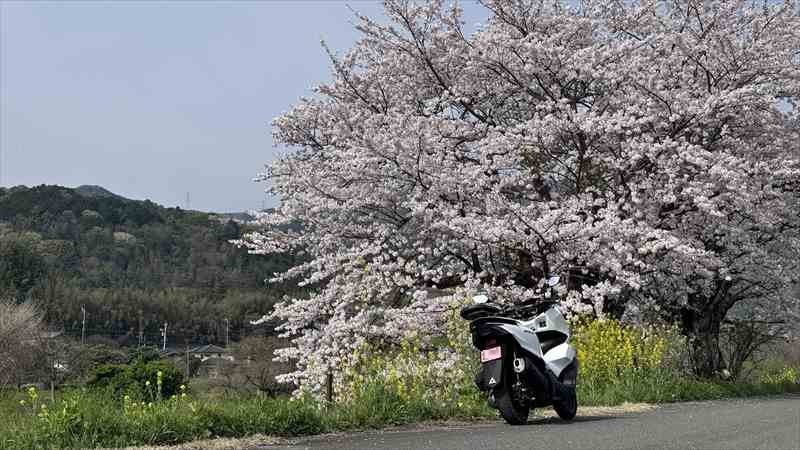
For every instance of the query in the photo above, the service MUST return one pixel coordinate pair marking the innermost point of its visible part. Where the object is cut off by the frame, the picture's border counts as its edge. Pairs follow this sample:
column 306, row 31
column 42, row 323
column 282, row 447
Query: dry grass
column 625, row 408
column 219, row 444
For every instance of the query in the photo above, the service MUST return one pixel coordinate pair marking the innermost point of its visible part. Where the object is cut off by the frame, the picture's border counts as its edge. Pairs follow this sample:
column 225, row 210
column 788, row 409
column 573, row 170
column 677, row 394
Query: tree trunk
column 701, row 320
column 707, row 360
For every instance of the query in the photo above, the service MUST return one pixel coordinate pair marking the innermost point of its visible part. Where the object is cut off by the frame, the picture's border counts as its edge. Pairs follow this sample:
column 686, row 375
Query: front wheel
column 567, row 405
column 513, row 412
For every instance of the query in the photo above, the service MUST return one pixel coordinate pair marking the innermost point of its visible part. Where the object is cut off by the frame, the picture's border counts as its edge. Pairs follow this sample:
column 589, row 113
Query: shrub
column 608, row 349
column 413, row 379
column 617, row 363
column 109, row 375
column 21, row 327
column 783, row 375
column 161, row 375
column 253, row 366
column 142, row 378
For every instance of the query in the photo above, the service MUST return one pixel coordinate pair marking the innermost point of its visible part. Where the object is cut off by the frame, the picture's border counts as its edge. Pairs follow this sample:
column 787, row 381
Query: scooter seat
column 476, row 311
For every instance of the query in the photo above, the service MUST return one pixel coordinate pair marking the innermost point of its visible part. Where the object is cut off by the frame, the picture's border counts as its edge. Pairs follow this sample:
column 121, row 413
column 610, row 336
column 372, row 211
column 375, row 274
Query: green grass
column 91, row 419
column 664, row 386
column 88, row 419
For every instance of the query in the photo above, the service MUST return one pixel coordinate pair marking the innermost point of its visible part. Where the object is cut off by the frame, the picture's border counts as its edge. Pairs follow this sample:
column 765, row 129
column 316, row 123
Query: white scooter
column 524, row 363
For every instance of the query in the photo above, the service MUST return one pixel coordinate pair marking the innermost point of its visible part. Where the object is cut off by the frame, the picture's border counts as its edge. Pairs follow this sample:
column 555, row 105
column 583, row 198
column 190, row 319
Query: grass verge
column 663, row 386
column 91, row 419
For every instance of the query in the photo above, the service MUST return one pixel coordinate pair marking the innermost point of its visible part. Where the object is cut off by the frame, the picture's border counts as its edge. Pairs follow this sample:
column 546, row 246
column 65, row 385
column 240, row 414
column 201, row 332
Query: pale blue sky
column 155, row 99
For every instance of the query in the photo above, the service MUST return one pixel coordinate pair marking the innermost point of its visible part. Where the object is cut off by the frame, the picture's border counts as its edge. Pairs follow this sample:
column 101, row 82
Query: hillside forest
column 132, row 265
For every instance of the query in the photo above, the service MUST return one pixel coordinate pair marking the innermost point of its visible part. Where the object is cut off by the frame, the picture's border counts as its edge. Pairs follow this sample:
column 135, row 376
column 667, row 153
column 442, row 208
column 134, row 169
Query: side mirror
column 552, row 281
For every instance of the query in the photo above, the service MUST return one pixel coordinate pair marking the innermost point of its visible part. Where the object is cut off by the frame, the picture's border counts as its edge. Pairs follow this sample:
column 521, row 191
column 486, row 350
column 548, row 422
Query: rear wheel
column 567, row 405
column 513, row 412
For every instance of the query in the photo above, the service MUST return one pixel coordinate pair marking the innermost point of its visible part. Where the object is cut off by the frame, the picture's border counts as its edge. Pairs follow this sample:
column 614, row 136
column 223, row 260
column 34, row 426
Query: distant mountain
column 129, row 261
column 90, row 190
column 39, row 208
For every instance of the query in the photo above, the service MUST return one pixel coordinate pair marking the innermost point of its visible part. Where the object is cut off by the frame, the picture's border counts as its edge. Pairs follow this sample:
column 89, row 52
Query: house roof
column 210, row 348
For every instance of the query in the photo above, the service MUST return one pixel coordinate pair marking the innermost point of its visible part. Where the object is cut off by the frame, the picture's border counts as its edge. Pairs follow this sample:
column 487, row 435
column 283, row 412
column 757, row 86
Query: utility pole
column 141, row 329
column 164, row 333
column 227, row 332
column 187, row 361
column 83, row 325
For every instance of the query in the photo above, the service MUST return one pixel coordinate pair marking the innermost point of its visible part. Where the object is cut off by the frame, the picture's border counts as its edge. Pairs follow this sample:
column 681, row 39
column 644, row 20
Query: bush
column 625, row 363
column 607, row 349
column 414, row 380
column 109, row 375
column 783, row 375
column 253, row 366
column 21, row 327
column 648, row 364
column 142, row 379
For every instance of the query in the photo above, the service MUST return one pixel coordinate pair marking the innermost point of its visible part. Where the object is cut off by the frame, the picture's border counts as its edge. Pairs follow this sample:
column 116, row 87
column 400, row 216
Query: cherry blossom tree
column 644, row 150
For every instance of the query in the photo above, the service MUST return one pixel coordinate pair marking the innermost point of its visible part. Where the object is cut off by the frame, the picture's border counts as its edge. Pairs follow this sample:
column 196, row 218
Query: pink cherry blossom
column 645, row 151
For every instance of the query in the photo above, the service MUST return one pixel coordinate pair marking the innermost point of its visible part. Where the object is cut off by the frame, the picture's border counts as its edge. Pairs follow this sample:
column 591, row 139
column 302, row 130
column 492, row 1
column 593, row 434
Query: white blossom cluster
column 648, row 146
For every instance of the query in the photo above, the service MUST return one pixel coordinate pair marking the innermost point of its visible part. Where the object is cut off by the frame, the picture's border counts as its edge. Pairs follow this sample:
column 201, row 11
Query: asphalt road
column 762, row 423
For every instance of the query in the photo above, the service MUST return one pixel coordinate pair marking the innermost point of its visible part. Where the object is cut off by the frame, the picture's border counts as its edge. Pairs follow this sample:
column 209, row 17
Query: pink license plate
column 490, row 354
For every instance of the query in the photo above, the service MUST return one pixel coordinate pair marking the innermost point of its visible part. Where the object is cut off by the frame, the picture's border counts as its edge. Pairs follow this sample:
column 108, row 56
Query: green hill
column 89, row 190
column 132, row 264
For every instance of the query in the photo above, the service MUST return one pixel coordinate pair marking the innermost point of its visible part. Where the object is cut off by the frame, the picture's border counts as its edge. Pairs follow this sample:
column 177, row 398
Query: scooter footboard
column 536, row 377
